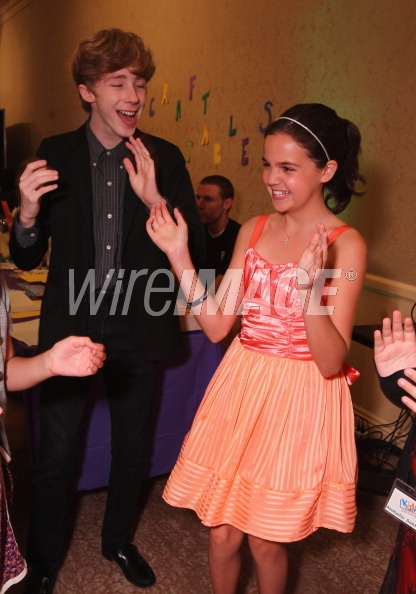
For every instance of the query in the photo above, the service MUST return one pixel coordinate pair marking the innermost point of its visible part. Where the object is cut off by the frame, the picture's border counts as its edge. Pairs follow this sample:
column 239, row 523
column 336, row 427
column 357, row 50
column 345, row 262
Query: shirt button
column 108, row 153
column 109, row 183
column 109, row 247
column 109, row 216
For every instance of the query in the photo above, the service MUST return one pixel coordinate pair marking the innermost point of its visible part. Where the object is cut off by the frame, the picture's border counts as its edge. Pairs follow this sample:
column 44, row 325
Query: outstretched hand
column 75, row 356
column 168, row 235
column 395, row 345
column 143, row 176
column 410, row 387
column 313, row 258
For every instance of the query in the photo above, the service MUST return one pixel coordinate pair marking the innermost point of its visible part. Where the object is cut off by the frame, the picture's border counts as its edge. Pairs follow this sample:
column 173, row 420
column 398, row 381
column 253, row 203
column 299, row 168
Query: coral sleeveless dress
column 271, row 450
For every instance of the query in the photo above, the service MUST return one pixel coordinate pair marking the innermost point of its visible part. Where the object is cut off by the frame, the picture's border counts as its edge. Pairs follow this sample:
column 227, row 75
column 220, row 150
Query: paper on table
column 27, row 331
column 8, row 265
column 20, row 302
column 27, row 314
column 35, row 276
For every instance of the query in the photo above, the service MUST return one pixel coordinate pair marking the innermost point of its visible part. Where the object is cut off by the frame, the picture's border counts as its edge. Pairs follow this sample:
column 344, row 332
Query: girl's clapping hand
column 169, row 235
column 314, row 257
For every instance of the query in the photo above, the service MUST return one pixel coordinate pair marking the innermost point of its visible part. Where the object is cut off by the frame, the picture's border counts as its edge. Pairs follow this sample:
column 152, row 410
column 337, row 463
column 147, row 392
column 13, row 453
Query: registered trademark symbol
column 351, row 274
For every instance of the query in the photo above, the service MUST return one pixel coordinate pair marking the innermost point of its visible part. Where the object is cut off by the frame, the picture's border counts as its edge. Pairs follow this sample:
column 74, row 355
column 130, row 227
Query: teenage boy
column 90, row 192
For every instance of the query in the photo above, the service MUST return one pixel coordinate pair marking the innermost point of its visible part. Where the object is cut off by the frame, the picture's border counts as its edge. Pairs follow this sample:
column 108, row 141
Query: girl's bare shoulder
column 244, row 235
column 349, row 235
column 349, row 244
column 249, row 225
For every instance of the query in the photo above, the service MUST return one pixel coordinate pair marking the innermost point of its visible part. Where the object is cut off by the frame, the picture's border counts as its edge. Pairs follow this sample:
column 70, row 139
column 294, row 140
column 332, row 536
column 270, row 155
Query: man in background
column 214, row 199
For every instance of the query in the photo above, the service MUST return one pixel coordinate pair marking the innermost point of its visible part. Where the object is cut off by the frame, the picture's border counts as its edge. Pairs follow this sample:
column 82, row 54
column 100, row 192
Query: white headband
column 307, row 129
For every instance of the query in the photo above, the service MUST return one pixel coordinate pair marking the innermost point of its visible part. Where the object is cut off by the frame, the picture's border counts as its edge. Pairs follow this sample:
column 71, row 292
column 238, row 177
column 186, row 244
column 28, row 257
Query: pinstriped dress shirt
column 108, row 180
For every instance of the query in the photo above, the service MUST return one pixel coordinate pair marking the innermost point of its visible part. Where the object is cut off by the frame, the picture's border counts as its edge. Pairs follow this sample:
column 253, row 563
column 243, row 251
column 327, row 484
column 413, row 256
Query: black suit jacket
column 66, row 217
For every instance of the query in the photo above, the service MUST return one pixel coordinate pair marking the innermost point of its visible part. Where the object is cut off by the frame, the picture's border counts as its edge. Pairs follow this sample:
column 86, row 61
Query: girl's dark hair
column 108, row 51
column 341, row 139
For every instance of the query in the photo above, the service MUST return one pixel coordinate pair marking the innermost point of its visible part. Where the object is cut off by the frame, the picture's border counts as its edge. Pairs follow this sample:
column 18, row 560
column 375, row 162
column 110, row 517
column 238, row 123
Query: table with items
column 181, row 384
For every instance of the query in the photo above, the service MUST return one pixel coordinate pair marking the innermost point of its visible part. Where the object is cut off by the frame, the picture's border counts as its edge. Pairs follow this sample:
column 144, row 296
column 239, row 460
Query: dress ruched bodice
column 272, row 309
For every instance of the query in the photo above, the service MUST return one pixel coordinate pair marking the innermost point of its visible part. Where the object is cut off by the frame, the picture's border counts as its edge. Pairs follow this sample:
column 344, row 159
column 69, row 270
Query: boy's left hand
column 142, row 177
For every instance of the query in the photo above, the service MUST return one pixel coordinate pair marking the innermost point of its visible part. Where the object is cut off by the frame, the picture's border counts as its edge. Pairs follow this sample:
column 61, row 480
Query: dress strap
column 336, row 233
column 258, row 228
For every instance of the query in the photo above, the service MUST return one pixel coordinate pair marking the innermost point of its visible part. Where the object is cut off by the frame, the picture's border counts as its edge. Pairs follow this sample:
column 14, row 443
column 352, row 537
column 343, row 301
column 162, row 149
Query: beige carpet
column 175, row 544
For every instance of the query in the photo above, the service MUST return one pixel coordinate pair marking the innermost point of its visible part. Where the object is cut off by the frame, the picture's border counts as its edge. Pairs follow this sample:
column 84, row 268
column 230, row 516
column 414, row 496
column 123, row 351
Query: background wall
column 254, row 59
column 251, row 61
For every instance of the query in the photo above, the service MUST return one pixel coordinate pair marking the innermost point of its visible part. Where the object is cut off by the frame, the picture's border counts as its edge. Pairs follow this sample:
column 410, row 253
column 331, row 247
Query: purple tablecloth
column 181, row 385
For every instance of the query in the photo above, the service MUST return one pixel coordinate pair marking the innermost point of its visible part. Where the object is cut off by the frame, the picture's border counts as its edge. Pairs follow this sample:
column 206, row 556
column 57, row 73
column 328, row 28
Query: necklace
column 288, row 237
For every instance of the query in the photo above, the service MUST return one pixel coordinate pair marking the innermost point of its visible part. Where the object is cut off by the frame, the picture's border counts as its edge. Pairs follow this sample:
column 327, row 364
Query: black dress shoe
column 135, row 568
column 39, row 584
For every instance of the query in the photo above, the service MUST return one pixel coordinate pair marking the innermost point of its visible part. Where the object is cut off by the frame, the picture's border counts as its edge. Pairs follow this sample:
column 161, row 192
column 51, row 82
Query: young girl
column 73, row 356
column 271, row 452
